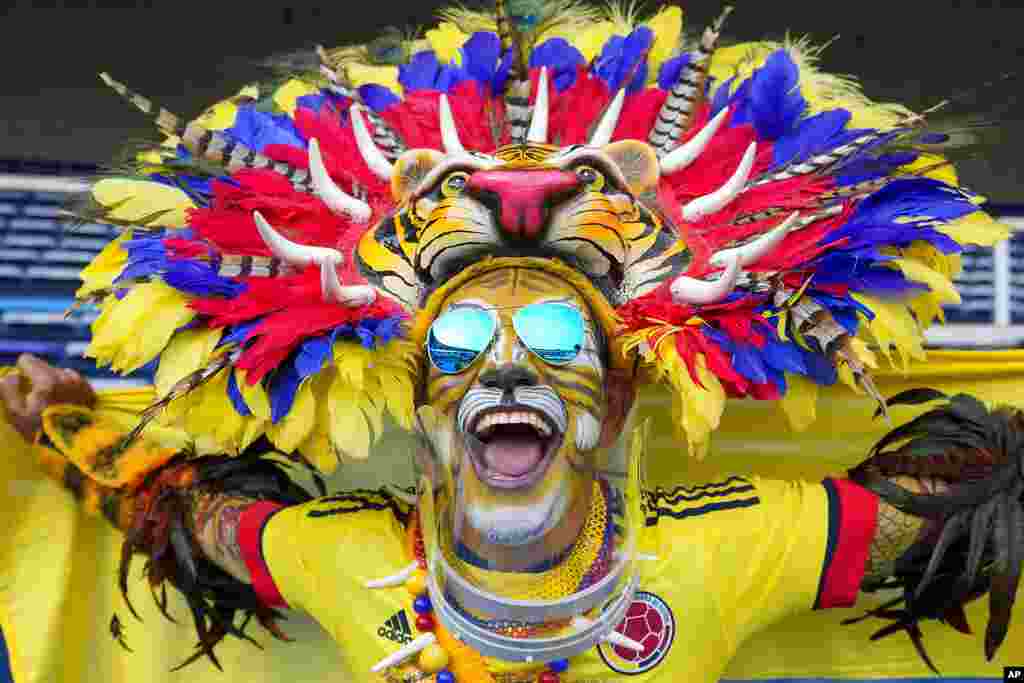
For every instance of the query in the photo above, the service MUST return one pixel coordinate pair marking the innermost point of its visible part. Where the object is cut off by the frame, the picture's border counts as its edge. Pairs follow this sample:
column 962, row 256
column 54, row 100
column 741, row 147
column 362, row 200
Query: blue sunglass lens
column 555, row 332
column 457, row 337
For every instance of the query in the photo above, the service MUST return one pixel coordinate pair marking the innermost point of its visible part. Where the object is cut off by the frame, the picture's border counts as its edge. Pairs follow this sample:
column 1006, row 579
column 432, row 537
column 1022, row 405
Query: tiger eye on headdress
column 592, row 178
column 454, row 184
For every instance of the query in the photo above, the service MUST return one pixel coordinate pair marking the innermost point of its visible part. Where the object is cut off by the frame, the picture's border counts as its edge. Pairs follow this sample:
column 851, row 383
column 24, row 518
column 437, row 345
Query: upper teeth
column 488, row 422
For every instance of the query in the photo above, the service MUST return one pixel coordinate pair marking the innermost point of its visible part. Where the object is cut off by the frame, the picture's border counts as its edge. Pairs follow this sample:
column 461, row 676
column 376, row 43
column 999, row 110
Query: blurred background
column 58, row 124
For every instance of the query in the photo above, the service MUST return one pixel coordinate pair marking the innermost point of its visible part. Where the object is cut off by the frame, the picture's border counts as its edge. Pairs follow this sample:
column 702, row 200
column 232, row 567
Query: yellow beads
column 417, row 583
column 433, row 658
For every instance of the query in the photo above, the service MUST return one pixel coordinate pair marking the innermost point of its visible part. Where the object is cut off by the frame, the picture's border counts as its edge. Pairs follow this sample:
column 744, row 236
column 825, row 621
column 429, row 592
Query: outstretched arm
column 950, row 517
column 196, row 519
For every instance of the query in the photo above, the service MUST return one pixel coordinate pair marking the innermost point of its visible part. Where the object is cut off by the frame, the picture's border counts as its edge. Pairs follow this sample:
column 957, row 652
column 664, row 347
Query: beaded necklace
column 449, row 660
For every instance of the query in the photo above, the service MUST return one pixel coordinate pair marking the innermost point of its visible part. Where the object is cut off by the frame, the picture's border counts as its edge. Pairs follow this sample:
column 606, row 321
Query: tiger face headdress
column 740, row 222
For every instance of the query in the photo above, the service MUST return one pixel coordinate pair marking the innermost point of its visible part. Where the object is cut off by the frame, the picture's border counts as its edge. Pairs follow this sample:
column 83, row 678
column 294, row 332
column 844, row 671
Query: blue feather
column 282, row 388
column 747, row 362
column 819, row 368
column 424, row 72
column 814, row 135
column 200, row 279
column 773, row 102
column 670, row 70
column 482, row 60
column 562, row 60
column 239, row 334
column 621, row 57
column 313, row 354
column 256, row 129
column 869, row 168
column 237, row 400
column 377, row 97
column 721, row 97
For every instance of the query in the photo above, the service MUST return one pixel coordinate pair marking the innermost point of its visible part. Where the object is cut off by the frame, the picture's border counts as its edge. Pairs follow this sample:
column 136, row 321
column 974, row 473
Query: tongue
column 513, row 455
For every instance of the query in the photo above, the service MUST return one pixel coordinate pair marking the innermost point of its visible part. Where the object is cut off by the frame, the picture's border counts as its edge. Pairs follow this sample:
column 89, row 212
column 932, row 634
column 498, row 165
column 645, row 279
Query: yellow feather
column 208, row 412
column 800, row 402
column 862, row 353
column 286, row 96
column 318, row 448
column 946, row 173
column 590, row 40
column 296, row 426
column 105, row 267
column 350, row 434
column 253, row 429
column 667, row 25
column 187, row 351
column 137, row 200
column 133, row 331
column 976, row 228
column 893, row 328
column 446, row 41
column 941, row 287
column 351, row 360
column 254, row 395
column 361, row 74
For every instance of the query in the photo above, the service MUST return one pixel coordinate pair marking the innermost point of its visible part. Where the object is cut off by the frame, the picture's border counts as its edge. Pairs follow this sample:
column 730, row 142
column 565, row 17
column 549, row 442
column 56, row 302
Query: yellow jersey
column 730, row 558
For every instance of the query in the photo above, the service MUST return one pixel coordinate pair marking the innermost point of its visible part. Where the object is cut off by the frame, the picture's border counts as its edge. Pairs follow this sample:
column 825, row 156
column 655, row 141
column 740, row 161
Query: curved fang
column 688, row 290
column 539, row 123
column 336, row 199
column 720, row 198
column 405, row 652
column 753, row 251
column 292, row 253
column 396, row 579
column 353, row 296
column 685, row 154
column 372, row 155
column 606, row 128
column 449, row 133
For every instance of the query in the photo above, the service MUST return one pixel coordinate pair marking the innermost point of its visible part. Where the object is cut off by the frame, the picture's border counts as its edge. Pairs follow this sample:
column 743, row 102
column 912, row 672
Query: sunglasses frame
column 492, row 313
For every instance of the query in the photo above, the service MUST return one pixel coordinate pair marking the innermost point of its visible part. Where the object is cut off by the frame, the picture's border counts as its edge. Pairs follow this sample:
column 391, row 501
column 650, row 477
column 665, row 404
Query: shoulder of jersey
column 683, row 502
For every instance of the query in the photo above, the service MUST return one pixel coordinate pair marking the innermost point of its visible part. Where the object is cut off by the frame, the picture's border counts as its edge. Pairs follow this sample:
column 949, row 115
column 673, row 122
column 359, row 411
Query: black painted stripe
column 834, row 515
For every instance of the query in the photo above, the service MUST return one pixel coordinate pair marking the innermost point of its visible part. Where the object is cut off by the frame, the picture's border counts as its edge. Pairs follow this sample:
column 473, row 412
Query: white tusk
column 754, row 250
column 336, row 199
column 396, row 579
column 292, row 253
column 688, row 290
column 603, row 133
column 645, row 557
column 720, row 198
column 616, row 638
column 685, row 154
column 539, row 123
column 372, row 155
column 613, row 637
column 449, row 133
column 333, row 292
column 407, row 651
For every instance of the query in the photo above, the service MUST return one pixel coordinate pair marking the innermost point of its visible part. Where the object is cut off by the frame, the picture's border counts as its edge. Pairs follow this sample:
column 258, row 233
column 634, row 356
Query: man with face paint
column 499, row 260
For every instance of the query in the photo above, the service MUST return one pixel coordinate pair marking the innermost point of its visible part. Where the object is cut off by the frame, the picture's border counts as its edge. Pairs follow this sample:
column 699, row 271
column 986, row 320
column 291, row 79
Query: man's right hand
column 36, row 386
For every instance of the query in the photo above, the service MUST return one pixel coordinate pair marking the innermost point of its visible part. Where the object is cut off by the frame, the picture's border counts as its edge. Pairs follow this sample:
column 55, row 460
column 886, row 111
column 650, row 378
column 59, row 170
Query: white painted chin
column 519, row 524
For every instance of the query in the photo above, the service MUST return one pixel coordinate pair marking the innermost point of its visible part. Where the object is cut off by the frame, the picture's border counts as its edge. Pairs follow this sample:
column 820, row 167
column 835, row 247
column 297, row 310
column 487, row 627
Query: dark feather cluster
column 977, row 545
column 220, row 604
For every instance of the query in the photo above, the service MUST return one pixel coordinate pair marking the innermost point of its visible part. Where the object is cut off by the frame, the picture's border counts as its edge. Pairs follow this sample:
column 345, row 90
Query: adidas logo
column 396, row 629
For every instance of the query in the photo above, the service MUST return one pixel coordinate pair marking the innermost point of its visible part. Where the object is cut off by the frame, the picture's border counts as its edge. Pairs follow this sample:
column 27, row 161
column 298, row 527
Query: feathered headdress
column 798, row 229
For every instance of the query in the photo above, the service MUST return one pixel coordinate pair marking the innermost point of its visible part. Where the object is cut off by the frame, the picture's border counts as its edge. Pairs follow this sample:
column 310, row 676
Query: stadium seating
column 40, row 258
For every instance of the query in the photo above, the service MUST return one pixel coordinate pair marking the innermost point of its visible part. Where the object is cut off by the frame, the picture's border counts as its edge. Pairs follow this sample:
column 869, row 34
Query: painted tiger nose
column 522, row 199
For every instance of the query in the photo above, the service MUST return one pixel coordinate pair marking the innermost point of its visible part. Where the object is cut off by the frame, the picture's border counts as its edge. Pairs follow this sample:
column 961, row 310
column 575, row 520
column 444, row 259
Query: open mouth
column 512, row 447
